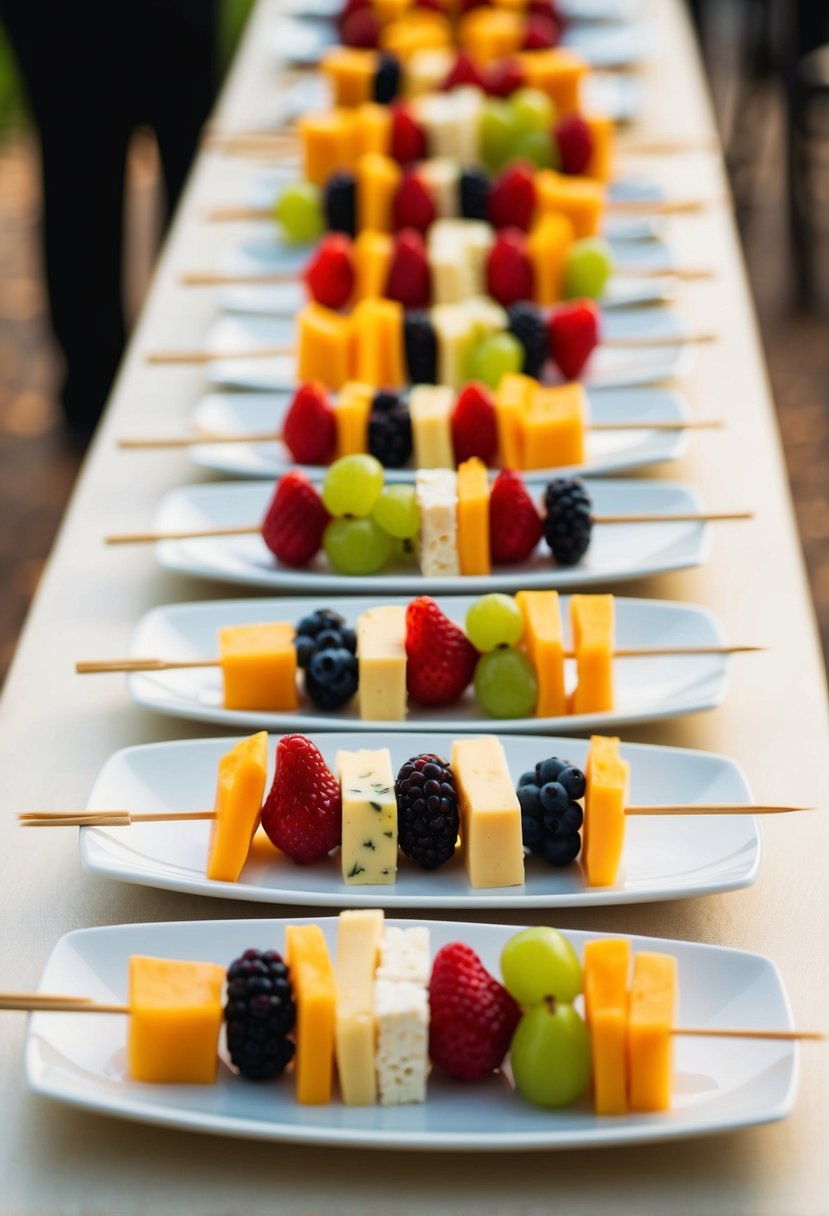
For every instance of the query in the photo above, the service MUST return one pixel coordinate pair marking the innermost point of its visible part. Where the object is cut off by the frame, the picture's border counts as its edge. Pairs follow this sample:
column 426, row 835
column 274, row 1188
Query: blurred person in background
column 94, row 71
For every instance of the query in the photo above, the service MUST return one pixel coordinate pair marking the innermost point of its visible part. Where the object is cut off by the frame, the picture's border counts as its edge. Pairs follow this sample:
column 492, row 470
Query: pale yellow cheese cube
column 358, row 946
column 490, row 813
column 381, row 655
column 430, row 411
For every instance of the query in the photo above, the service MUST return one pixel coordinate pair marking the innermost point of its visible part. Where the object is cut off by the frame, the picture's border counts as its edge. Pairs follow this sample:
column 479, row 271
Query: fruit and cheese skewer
column 371, row 814
column 382, row 1012
column 512, row 651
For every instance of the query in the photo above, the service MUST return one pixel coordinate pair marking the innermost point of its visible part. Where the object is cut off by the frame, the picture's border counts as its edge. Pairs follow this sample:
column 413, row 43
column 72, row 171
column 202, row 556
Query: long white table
column 57, row 729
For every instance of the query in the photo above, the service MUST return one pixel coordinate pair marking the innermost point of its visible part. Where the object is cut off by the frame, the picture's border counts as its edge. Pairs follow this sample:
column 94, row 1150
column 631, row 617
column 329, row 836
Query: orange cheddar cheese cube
column 420, row 31
column 372, row 258
column 558, row 73
column 580, row 199
column 603, row 836
column 323, row 345
column 378, row 343
column 259, row 666
column 554, row 426
column 391, row 10
column 312, row 976
column 374, row 129
column 600, row 165
column 329, row 144
column 606, row 969
column 240, row 788
column 653, row 998
column 592, row 619
column 512, row 398
column 175, row 1019
column 548, row 245
column 377, row 180
column 543, row 642
column 350, row 72
column 473, row 517
column 352, row 407
column 488, row 34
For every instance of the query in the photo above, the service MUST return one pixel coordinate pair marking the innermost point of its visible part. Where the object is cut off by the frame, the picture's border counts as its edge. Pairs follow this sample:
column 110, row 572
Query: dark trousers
column 94, row 71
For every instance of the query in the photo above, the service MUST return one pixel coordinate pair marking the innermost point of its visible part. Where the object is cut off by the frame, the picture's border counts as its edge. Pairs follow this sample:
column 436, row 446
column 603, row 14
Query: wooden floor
column 38, row 464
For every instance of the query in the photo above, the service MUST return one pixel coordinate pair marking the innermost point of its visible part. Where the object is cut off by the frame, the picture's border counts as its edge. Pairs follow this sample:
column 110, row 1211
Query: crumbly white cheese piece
column 437, row 499
column 404, row 955
column 402, row 1059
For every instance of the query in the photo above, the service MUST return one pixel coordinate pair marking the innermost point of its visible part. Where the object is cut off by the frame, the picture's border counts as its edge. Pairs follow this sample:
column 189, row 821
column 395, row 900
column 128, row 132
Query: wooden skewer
column 217, row 278
column 715, row 808
column 745, row 1032
column 186, row 441
column 149, row 538
column 34, row 1002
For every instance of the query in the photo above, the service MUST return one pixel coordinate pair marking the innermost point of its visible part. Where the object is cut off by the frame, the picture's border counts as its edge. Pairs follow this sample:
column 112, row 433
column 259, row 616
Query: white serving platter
column 671, row 857
column 647, row 688
column 617, row 552
column 608, row 367
column 243, row 413
column 573, row 10
column 720, row 1085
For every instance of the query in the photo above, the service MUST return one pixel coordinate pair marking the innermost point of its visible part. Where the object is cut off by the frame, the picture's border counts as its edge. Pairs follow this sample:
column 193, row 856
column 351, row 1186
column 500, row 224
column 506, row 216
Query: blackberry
column 386, row 79
column 339, row 203
column 427, row 810
column 331, row 677
column 527, row 325
column 421, row 348
column 390, row 436
column 568, row 522
column 385, row 399
column 259, row 1014
column 475, row 189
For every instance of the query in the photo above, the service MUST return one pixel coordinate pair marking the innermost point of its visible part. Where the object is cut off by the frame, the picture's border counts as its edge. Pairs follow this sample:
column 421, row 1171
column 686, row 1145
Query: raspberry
column 509, row 271
column 427, row 810
column 513, row 199
column 464, row 71
column 409, row 280
column 329, row 275
column 515, row 526
column 413, row 205
column 309, row 429
column 474, row 191
column 441, row 659
column 505, row 78
column 528, row 324
column 339, row 203
column 574, row 140
column 295, row 520
column 259, row 1014
column 573, row 334
column 472, row 1017
column 302, row 814
column 408, row 139
column 421, row 346
column 474, row 425
column 386, row 79
column 361, row 29
column 569, row 521
column 541, row 33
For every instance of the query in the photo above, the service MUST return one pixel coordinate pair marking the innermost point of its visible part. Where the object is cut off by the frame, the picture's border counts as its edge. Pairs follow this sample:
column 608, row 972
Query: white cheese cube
column 437, row 499
column 405, row 955
column 402, row 1057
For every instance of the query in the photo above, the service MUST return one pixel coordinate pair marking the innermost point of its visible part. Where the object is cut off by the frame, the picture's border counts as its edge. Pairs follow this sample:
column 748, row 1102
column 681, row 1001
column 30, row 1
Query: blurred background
column 768, row 68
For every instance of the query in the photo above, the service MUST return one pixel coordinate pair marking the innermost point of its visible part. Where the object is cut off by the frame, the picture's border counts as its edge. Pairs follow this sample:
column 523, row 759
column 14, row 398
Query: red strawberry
column 515, row 525
column 295, row 520
column 541, row 33
column 474, row 425
column 573, row 334
column 472, row 1017
column 441, row 659
column 408, row 139
column 575, row 143
column 408, row 279
column 330, row 273
column 309, row 430
column 413, row 206
column 512, row 200
column 361, row 29
column 302, row 814
column 463, row 71
column 505, row 77
column 467, row 6
column 351, row 6
column 509, row 271
column 432, row 6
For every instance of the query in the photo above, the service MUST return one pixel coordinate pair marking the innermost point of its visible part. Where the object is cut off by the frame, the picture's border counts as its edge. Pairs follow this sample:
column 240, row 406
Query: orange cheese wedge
column 377, row 180
column 548, row 245
column 351, row 410
column 603, row 836
column 606, row 968
column 473, row 517
column 324, row 345
column 312, row 976
column 259, row 666
column 378, row 343
column 350, row 72
column 653, row 998
column 580, row 199
column 592, row 618
column 239, row 791
column 558, row 73
column 175, row 1019
column 372, row 258
column 488, row 34
column 512, row 400
column 329, row 143
column 543, row 642
column 554, row 426
column 600, row 166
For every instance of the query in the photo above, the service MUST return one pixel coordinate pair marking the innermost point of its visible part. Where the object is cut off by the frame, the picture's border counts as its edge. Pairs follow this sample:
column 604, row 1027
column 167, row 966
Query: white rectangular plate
column 646, row 688
column 617, row 551
column 670, row 857
column 719, row 1084
column 607, row 451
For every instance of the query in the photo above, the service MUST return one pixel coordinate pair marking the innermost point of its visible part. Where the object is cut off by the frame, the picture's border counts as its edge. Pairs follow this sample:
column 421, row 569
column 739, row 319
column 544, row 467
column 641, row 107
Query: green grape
column 497, row 132
column 506, row 684
column 588, row 267
column 494, row 620
column 494, row 357
column 403, row 552
column 397, row 512
column 532, row 110
column 299, row 213
column 537, row 147
column 550, row 1055
column 356, row 546
column 540, row 962
column 352, row 485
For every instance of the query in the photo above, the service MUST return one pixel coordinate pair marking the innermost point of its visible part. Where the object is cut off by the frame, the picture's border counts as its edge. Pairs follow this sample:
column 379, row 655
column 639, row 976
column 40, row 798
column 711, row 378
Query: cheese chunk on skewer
column 312, row 977
column 430, row 411
column 437, row 499
column 543, row 642
column 358, row 944
column 606, row 969
column 603, row 836
column 653, row 997
column 175, row 1019
column 240, row 788
column 402, row 1011
column 592, row 618
column 490, row 813
column 259, row 666
column 381, row 655
column 369, row 825
column 473, row 518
